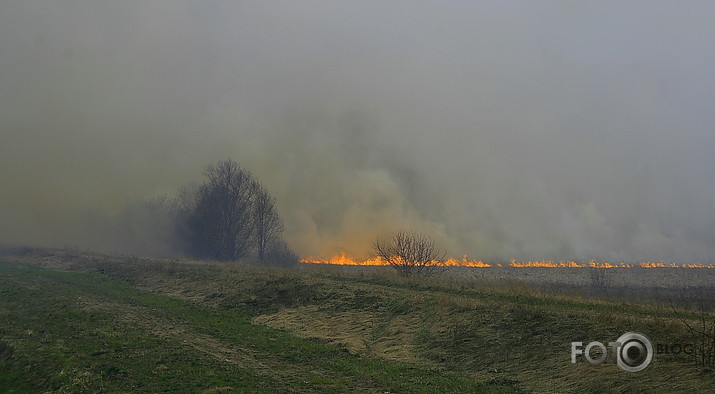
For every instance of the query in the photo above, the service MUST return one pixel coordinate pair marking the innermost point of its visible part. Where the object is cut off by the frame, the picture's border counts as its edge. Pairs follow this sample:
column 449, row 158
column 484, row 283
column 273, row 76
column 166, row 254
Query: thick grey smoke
column 555, row 129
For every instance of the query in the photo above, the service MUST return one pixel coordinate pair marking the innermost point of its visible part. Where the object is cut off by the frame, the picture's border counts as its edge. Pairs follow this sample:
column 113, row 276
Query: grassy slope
column 190, row 324
column 81, row 331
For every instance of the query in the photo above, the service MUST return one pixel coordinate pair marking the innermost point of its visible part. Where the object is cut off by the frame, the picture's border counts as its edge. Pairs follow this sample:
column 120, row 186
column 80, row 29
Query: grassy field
column 73, row 322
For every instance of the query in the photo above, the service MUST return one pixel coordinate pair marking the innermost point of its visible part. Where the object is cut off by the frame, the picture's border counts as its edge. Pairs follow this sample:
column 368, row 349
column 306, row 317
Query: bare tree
column 230, row 216
column 411, row 254
column 268, row 225
column 221, row 222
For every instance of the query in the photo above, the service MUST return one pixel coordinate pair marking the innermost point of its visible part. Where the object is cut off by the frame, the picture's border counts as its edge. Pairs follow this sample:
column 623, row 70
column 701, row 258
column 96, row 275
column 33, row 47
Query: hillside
column 81, row 322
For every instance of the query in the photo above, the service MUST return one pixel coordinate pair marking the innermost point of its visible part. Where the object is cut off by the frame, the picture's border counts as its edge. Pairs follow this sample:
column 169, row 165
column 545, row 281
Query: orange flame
column 464, row 262
column 343, row 259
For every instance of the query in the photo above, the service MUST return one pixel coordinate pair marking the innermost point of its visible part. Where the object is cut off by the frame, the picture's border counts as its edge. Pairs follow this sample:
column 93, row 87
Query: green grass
column 84, row 331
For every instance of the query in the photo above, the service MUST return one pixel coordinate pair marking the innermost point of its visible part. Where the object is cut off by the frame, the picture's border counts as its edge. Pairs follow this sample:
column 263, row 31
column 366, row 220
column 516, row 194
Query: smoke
column 504, row 130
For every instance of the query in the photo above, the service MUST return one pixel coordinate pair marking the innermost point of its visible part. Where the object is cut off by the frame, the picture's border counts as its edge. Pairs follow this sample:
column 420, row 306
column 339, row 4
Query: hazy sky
column 506, row 129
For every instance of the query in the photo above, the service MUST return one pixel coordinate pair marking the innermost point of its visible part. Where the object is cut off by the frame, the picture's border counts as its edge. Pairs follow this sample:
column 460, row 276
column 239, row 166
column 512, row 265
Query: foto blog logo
column 632, row 352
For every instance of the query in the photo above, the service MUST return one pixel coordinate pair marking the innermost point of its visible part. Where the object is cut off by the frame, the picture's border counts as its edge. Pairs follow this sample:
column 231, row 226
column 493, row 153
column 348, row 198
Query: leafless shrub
column 411, row 254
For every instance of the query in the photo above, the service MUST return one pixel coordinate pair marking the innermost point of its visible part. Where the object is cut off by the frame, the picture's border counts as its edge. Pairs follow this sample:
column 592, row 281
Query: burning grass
column 343, row 259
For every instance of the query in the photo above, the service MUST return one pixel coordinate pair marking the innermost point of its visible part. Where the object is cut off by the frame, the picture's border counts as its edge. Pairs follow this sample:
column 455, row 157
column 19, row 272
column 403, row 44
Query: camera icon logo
column 633, row 352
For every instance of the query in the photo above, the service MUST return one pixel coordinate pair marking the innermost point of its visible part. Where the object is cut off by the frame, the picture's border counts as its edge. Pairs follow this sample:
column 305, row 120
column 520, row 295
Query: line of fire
column 343, row 259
